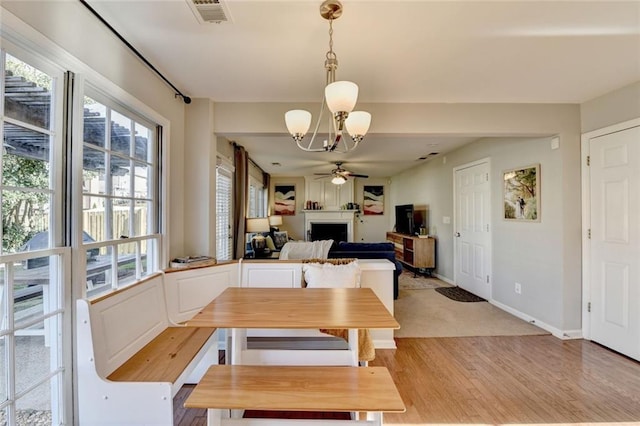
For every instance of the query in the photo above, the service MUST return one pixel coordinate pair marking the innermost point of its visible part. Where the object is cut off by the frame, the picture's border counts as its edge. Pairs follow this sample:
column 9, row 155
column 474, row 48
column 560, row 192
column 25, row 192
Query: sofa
column 382, row 250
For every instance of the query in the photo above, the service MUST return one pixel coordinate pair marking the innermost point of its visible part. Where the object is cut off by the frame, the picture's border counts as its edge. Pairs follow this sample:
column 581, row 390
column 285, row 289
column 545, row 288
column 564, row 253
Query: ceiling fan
column 340, row 175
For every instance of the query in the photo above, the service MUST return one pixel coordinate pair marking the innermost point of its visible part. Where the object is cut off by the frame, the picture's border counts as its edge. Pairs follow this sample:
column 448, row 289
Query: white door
column 615, row 241
column 471, row 229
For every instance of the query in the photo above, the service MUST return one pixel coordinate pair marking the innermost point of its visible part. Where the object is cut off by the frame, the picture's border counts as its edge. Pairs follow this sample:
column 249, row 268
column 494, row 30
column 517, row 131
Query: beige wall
column 372, row 228
column 528, row 253
column 545, row 256
column 200, row 151
column 477, row 120
column 611, row 108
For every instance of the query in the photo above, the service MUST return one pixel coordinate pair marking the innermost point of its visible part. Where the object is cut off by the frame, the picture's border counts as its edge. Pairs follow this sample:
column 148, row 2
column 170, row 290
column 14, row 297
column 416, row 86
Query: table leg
column 214, row 417
column 238, row 344
column 375, row 417
column 353, row 346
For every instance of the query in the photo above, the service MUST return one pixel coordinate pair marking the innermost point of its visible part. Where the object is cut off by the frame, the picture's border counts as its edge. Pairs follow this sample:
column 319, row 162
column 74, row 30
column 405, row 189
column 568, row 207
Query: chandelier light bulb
column 341, row 96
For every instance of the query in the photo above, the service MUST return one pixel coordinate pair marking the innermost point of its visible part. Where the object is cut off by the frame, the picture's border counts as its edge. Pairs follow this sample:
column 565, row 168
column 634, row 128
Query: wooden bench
column 132, row 360
column 287, row 388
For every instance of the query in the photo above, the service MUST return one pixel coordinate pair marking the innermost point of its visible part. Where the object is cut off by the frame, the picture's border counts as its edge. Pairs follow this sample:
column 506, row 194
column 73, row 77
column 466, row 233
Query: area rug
column 407, row 281
column 459, row 295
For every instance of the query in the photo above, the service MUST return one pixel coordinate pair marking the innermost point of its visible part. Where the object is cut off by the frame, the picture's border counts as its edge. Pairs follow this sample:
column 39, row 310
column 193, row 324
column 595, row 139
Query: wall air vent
column 209, row 11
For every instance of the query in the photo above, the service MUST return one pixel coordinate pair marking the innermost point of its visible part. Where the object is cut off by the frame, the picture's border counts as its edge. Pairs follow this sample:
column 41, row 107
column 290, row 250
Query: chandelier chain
column 331, row 54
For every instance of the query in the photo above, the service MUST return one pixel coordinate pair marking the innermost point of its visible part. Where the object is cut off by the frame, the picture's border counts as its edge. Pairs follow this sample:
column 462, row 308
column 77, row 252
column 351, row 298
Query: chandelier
column 339, row 97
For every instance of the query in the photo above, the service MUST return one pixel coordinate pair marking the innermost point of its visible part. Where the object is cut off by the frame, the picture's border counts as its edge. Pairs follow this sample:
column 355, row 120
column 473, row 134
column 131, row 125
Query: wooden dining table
column 241, row 308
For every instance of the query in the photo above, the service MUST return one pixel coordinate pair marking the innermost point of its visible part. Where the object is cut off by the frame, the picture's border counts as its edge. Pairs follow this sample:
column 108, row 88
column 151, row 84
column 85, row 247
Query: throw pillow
column 270, row 245
column 327, row 275
column 280, row 238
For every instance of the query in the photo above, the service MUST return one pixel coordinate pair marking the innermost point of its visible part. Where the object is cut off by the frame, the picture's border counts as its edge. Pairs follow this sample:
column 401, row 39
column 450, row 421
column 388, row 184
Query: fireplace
column 329, row 231
column 326, row 224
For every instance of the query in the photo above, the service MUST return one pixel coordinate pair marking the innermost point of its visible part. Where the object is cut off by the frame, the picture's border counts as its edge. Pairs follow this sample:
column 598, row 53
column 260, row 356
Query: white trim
column 556, row 332
column 586, row 214
column 456, row 169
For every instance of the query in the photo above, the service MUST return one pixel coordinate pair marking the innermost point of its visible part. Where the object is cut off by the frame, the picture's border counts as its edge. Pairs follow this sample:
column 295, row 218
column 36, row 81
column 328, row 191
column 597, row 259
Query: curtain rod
column 185, row 99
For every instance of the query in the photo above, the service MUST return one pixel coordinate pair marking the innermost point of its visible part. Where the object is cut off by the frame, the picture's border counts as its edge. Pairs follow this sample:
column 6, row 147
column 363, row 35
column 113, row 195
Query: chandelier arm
column 315, row 131
column 309, row 149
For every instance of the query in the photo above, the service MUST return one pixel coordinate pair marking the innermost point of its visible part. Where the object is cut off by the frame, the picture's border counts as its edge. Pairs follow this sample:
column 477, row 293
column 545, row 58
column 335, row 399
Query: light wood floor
column 501, row 381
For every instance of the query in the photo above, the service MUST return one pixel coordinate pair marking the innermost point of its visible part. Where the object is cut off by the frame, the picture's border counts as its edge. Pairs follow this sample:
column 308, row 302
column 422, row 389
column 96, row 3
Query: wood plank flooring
column 501, row 381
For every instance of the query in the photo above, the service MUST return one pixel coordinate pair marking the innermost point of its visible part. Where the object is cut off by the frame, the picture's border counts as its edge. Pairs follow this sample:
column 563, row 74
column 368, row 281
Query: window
column 224, row 210
column 32, row 310
column 257, row 199
column 119, row 194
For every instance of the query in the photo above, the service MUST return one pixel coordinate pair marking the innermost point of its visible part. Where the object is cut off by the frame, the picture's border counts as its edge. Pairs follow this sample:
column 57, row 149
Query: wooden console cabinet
column 414, row 251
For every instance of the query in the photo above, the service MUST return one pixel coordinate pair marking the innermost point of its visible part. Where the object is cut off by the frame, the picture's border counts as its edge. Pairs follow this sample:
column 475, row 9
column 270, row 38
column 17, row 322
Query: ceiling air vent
column 209, row 11
column 429, row 155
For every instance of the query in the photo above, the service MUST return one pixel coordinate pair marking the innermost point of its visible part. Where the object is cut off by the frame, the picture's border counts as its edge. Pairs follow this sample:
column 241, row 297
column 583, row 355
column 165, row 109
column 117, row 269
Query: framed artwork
column 521, row 190
column 373, row 199
column 285, row 200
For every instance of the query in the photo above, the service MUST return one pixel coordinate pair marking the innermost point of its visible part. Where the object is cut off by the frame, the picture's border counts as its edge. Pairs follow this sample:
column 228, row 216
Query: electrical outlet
column 518, row 288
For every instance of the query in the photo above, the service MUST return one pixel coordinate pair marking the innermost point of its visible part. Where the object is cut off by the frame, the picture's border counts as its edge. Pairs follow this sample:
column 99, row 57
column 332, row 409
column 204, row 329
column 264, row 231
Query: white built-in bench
column 132, row 358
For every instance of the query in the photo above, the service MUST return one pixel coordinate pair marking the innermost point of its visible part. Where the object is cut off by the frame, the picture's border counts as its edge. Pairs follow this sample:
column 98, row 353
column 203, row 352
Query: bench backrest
column 123, row 322
column 272, row 273
column 188, row 291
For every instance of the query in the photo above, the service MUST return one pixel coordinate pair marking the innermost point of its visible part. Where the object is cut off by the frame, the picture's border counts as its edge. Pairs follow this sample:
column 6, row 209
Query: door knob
column 457, row 234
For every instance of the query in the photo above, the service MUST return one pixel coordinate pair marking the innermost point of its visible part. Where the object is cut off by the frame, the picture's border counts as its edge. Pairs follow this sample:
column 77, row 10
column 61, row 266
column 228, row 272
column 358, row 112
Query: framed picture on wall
column 373, row 202
column 521, row 191
column 285, row 200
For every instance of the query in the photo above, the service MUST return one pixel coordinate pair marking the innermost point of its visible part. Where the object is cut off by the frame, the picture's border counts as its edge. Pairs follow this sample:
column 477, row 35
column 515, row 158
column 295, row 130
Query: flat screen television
column 404, row 219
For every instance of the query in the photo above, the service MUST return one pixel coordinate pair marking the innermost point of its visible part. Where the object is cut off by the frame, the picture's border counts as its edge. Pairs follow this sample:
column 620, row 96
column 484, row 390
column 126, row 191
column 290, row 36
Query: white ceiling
column 397, row 51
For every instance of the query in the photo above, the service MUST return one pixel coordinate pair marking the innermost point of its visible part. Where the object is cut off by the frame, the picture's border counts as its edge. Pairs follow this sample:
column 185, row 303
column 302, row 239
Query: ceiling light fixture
column 338, row 180
column 339, row 96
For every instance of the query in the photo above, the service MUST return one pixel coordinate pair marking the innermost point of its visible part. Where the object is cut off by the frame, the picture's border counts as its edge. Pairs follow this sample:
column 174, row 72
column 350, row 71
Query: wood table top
column 299, row 308
column 287, row 388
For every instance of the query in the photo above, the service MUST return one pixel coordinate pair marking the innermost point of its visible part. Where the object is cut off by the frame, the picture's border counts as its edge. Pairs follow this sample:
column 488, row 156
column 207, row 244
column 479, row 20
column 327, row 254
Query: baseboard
column 445, row 279
column 573, row 334
column 560, row 334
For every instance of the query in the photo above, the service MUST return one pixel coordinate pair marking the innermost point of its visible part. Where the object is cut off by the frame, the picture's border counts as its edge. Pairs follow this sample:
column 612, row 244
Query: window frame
column 57, row 309
column 154, row 239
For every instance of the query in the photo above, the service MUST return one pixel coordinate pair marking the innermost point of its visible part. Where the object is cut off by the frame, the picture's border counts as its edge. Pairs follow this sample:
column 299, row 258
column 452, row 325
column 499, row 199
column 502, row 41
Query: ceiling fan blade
column 323, row 174
column 322, row 177
column 355, row 175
